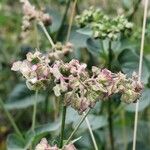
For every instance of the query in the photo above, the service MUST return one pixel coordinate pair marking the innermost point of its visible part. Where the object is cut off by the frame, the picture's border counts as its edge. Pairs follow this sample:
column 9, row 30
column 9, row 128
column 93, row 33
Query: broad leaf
column 94, row 46
column 14, row 142
column 85, row 31
column 129, row 62
column 21, row 97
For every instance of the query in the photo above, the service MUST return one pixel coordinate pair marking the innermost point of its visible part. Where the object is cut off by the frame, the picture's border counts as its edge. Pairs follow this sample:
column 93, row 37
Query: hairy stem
column 11, row 120
column 91, row 133
column 34, row 111
column 77, row 127
column 63, row 125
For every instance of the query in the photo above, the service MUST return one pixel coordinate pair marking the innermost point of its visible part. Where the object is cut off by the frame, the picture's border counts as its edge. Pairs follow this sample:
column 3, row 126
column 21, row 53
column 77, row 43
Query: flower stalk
column 91, row 133
column 77, row 127
column 47, row 34
column 34, row 111
column 63, row 125
column 140, row 71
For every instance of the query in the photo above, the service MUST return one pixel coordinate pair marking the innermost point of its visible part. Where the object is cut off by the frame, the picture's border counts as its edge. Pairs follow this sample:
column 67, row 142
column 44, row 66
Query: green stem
column 134, row 10
column 11, row 120
column 91, row 133
column 47, row 34
column 34, row 111
column 77, row 127
column 63, row 125
column 110, row 113
column 63, row 20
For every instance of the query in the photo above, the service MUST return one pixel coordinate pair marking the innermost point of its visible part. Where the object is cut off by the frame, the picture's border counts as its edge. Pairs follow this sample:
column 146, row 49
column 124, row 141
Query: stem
column 71, row 20
column 47, row 34
column 36, row 35
column 34, row 111
column 77, row 127
column 63, row 19
column 11, row 120
column 134, row 10
column 91, row 133
column 140, row 71
column 123, row 120
column 63, row 125
column 110, row 113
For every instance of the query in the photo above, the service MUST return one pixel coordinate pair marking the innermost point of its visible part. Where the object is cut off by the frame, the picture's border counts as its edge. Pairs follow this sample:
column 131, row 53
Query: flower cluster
column 35, row 69
column 59, row 51
column 30, row 14
column 43, row 145
column 102, row 25
column 80, row 88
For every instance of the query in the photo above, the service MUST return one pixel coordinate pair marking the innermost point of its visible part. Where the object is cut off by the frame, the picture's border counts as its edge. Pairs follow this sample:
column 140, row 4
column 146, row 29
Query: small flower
column 35, row 70
column 31, row 14
column 43, row 145
column 102, row 25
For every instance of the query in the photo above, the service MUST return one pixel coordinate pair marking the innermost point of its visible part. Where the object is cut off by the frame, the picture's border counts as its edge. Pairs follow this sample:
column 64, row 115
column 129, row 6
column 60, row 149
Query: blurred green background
column 19, row 100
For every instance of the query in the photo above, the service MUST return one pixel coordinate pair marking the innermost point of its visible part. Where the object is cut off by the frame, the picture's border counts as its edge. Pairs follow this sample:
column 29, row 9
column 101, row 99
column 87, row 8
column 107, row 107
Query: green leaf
column 42, row 130
column 56, row 19
column 21, row 97
column 127, row 4
column 94, row 46
column 85, row 31
column 14, row 143
column 144, row 102
column 78, row 40
column 96, row 122
column 129, row 62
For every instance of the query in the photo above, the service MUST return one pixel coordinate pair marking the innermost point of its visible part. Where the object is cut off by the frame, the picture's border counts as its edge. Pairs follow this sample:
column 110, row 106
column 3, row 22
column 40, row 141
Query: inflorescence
column 102, row 25
column 80, row 89
column 43, row 145
column 30, row 14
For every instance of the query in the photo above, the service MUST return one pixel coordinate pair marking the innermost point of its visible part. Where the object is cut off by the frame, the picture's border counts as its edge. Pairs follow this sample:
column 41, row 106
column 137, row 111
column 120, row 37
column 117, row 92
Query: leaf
column 14, row 142
column 72, row 115
column 96, row 122
column 144, row 102
column 56, row 19
column 21, row 97
column 129, row 62
column 94, row 46
column 127, row 4
column 78, row 40
column 42, row 130
column 85, row 31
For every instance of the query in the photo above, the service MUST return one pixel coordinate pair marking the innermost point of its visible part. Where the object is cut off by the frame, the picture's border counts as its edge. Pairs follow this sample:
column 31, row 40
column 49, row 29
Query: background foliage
column 18, row 99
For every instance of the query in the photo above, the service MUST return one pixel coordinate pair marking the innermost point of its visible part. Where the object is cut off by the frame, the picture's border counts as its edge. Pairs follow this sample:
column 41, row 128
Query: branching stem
column 77, row 127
